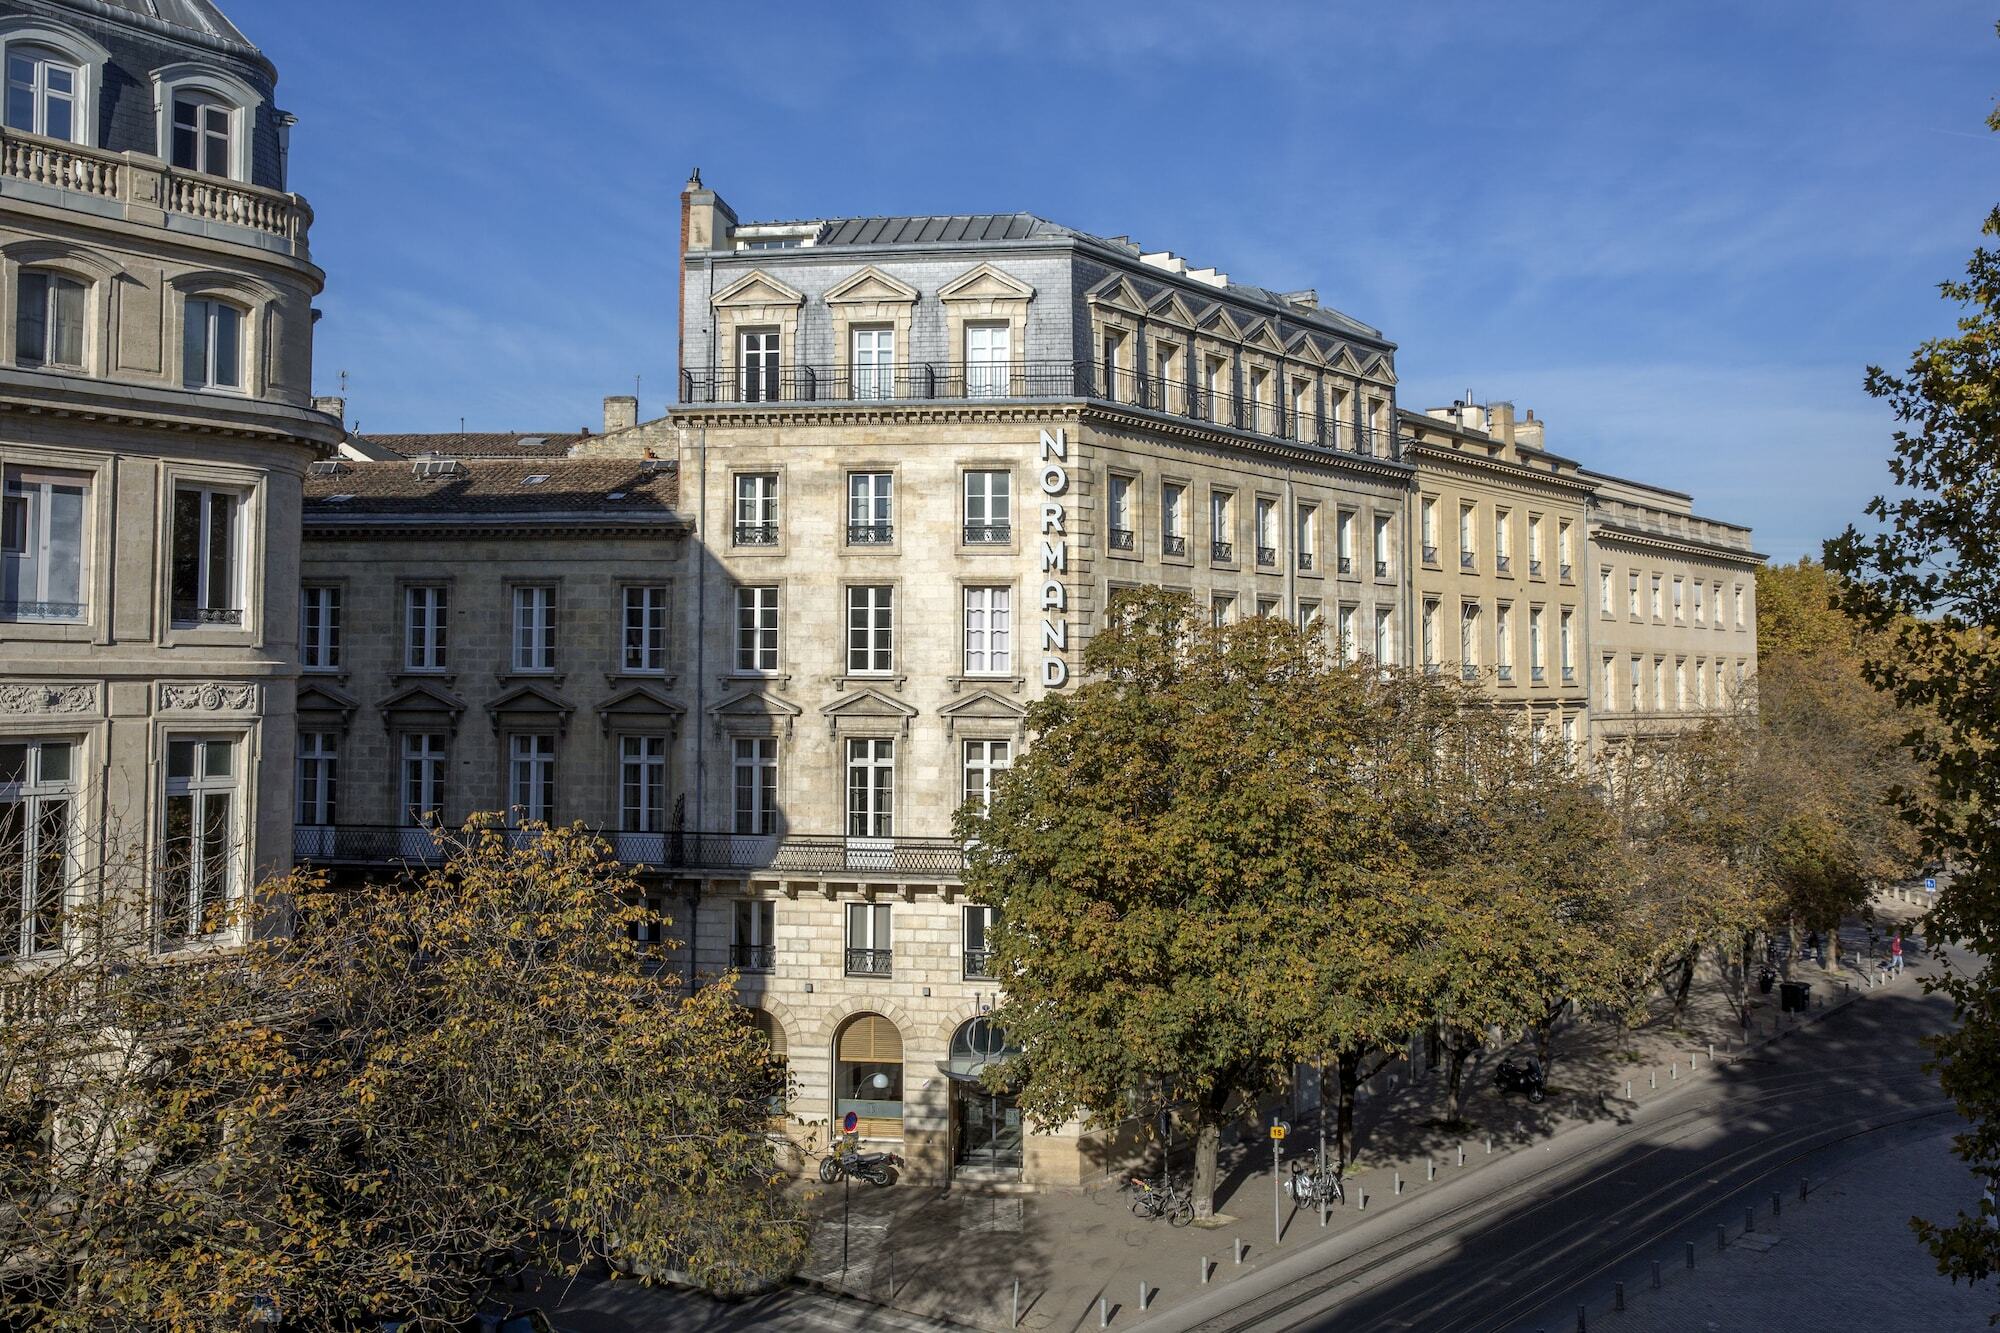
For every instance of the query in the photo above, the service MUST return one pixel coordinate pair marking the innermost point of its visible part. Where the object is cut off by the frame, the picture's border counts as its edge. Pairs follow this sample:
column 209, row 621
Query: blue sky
column 1676, row 231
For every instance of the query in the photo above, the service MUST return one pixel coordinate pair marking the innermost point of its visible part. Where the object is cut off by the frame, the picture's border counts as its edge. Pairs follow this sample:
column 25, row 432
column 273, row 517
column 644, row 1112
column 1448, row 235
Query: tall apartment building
column 155, row 428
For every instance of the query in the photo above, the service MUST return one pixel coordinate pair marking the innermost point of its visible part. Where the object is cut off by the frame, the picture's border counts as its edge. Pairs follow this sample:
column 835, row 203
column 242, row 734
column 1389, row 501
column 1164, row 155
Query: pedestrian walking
column 1896, row 952
column 1812, row 946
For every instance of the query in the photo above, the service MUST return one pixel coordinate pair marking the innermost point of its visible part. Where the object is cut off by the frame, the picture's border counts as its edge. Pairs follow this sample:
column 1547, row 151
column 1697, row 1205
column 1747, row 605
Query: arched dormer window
column 51, row 76
column 205, row 120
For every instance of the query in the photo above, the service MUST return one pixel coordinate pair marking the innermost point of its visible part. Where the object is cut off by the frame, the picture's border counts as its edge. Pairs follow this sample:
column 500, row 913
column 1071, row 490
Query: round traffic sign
column 850, row 1122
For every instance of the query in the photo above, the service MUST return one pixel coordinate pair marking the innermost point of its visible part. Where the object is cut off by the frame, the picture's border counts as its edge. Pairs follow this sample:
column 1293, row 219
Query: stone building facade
column 155, row 428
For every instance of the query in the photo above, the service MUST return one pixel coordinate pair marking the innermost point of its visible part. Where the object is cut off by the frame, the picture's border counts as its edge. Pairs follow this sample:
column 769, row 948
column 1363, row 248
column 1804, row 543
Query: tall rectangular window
column 42, row 524
column 1656, row 602
column 1604, row 591
column 752, row 936
column 989, row 631
column 1503, row 639
column 1215, row 388
column 1536, row 649
column 1467, row 525
column 757, row 366
column 1660, row 683
column 1739, row 606
column 531, row 779
column 207, row 557
column 1267, row 531
column 1632, row 593
column 212, row 345
column 642, row 784
column 1381, row 546
column 1718, row 609
column 874, row 363
column 48, row 320
column 646, row 629
column 1468, row 638
column 988, row 351
column 870, row 516
column 41, row 91
column 1385, row 639
column 426, row 607
column 1221, row 610
column 989, row 512
column 979, row 924
column 1221, row 526
column 1503, row 540
column 871, row 627
column 1638, row 685
column 203, row 129
column 1680, row 599
column 422, row 782
column 38, row 826
column 868, row 941
column 1563, row 560
column 199, row 837
column 535, row 628
column 1303, row 425
column 1173, row 518
column 1428, row 528
column 319, row 627
column 1534, row 544
column 1307, row 535
column 1568, row 648
column 1681, row 684
column 1700, row 607
column 871, row 787
column 984, row 761
column 756, row 509
column 1349, row 631
column 757, row 629
column 754, row 781
column 1118, row 506
column 1343, row 540
column 1430, row 632
column 318, row 763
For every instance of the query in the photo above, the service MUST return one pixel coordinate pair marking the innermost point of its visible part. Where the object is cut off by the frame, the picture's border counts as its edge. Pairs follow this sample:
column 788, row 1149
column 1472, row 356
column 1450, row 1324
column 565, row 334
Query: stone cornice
column 1187, row 429
column 929, row 413
column 1427, row 454
column 1601, row 531
column 320, row 526
column 169, row 410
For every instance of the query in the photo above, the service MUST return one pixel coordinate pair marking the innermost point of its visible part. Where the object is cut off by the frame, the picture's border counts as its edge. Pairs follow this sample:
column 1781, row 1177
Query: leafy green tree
column 1928, row 578
column 1162, row 858
column 358, row 1117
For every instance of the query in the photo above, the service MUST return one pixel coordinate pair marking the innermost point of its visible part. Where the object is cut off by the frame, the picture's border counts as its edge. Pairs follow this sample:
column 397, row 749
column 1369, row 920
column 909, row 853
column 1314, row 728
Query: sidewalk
column 958, row 1255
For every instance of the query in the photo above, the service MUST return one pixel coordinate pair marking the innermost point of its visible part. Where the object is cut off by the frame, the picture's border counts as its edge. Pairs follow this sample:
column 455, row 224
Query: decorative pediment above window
column 641, row 708
column 1343, row 360
column 1260, row 337
column 320, row 700
column 871, row 286
column 756, row 288
column 1169, row 308
column 422, row 706
column 985, row 286
column 869, row 708
column 1305, row 347
column 753, row 710
column 1377, row 367
column 1118, row 293
column 530, row 705
column 986, row 707
column 1218, row 321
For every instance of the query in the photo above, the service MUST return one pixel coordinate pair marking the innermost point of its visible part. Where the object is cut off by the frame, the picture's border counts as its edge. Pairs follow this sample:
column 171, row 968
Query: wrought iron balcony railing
column 207, row 615
column 1224, row 551
column 870, row 534
column 1381, row 569
column 1506, row 673
column 753, row 957
column 1347, row 564
column 988, row 534
column 1535, row 568
column 41, row 610
column 1173, row 543
column 869, row 962
column 1430, row 555
column 1465, row 560
column 1305, row 560
column 1267, row 556
column 1562, row 571
column 979, row 965
column 1122, row 539
column 756, row 534
column 1503, row 563
column 1468, row 671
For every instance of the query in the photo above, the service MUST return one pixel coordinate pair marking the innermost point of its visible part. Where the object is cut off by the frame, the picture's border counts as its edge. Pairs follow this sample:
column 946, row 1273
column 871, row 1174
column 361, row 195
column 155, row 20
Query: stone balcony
column 138, row 188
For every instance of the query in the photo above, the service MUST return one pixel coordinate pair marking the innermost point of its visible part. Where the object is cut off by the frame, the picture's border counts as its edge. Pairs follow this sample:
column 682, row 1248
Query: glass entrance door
column 989, row 1128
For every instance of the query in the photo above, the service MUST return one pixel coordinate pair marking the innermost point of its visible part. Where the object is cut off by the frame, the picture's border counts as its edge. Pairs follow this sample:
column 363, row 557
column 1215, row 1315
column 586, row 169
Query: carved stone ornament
column 18, row 698
column 208, row 696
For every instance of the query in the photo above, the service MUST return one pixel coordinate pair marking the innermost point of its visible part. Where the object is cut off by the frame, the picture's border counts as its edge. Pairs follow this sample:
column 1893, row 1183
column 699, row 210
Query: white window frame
column 988, row 366
column 760, row 369
column 1385, row 636
column 209, row 311
column 173, row 82
column 756, row 509
column 535, row 628
column 202, row 872
column 871, row 629
column 422, row 759
column 643, row 648
column 872, row 361
column 317, row 788
column 531, row 778
column 36, row 793
column 642, row 784
column 981, row 760
column 871, row 786
column 871, row 506
column 988, row 630
column 319, row 627
column 753, row 786
column 426, row 616
column 236, row 572
column 988, row 505
column 54, row 281
column 27, row 539
column 757, row 629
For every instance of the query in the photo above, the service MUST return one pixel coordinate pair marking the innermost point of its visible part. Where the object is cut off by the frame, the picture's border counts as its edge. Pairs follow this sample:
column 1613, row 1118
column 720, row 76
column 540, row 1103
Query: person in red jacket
column 1896, row 952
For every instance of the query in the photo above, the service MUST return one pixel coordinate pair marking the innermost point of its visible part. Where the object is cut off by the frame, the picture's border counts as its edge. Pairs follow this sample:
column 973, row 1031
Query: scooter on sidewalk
column 1524, row 1075
column 877, row 1168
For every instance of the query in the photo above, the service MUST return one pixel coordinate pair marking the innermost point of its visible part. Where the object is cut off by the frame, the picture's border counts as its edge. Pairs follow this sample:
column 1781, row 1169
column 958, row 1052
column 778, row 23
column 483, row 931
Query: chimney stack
column 333, row 405
column 621, row 412
column 1500, row 421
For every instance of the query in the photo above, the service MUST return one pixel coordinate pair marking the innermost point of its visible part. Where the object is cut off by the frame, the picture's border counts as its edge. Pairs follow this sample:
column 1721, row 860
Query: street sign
column 1930, row 884
column 1278, row 1130
column 850, row 1122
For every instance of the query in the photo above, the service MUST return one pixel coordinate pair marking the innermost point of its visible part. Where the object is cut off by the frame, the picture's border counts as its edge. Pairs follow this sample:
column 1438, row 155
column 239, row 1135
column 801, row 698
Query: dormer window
column 41, row 92
column 212, row 345
column 203, row 131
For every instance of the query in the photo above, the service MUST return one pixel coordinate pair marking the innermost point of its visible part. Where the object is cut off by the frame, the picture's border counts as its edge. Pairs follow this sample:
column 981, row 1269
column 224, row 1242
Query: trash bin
column 1794, row 996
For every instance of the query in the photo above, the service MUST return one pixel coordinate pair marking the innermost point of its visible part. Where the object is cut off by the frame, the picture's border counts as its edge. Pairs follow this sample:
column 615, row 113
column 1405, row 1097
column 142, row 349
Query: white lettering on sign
column 1055, row 556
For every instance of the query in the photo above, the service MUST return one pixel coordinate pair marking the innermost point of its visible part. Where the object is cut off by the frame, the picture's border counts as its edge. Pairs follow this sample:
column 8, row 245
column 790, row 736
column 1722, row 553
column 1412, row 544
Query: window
column 1164, row 375
column 985, row 760
column 1302, row 409
column 1569, row 732
column 1681, row 684
column 870, row 521
column 989, row 515
column 1610, row 682
column 318, row 776
column 646, row 629
column 1700, row 680
column 1699, row 606
column 1267, row 532
column 1350, row 641
column 1468, row 639
column 1308, row 614
column 1638, row 689
column 756, row 509
column 758, row 367
column 1680, row 599
column 1536, row 651
column 1604, row 591
column 1221, row 526
column 988, row 349
column 1718, row 605
column 642, row 784
column 1221, row 610
column 1739, row 606
column 1655, row 601
column 752, row 946
column 1428, row 518
column 1660, row 683
column 1308, row 534
column 1563, row 563
column 42, row 545
column 1337, row 416
column 38, row 797
column 1385, row 639
column 425, row 607
column 871, row 788
column 1503, row 633
column 1632, row 593
column 1567, row 647
column 874, row 363
column 989, row 631
column 1467, row 519
column 1430, row 631
column 1215, row 386
column 757, row 629
column 207, row 577
column 1381, row 546
column 202, row 130
column 535, row 628
column 1343, row 541
column 1173, row 518
column 871, row 627
column 423, row 779
column 211, row 345
column 1114, row 363
column 199, row 838
column 1118, row 494
column 1503, row 540
column 868, row 942
column 1534, row 545
column 41, row 92
column 531, row 779
column 319, row 627
column 48, row 320
column 754, row 776
column 979, row 924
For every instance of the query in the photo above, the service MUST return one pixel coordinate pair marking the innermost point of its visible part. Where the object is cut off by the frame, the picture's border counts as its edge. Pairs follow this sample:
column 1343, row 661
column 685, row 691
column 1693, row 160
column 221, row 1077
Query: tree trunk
column 1832, row 954
column 1545, row 1037
column 1349, row 1072
column 1455, row 1053
column 1686, row 982
column 1208, row 1122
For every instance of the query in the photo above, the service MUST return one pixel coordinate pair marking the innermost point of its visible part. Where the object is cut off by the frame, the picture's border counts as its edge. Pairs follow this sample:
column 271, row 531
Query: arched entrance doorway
column 986, row 1125
column 868, row 1075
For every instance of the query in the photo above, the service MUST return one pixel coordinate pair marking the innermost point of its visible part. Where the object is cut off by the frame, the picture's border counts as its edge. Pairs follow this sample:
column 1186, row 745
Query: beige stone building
column 1673, row 614
column 156, row 424
column 1499, row 579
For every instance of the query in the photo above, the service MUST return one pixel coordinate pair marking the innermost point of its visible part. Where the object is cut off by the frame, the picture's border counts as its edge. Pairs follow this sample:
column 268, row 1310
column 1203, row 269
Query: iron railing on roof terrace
column 955, row 381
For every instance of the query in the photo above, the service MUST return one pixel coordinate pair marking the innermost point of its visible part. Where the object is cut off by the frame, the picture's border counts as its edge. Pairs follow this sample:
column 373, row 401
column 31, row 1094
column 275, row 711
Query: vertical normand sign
column 1054, row 533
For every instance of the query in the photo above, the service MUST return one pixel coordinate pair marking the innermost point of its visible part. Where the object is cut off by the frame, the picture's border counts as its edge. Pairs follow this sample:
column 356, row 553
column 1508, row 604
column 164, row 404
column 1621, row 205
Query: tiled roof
column 622, row 489
column 478, row 444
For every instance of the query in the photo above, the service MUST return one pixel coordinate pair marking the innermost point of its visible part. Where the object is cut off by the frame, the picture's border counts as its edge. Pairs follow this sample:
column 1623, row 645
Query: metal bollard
column 1103, row 1312
column 1656, row 1275
column 1690, row 1254
column 1777, row 1202
column 1399, row 1182
column 1628, row 1089
column 1431, row 1168
column 1749, row 1220
column 1461, row 1154
column 1673, row 1072
column 1015, row 1320
column 1204, row 1270
column 1721, row 1238
column 1653, row 1079
column 1239, row 1249
column 1489, row 1145
column 1360, row 1200
column 1618, row 1295
column 1711, row 1052
column 1143, row 1295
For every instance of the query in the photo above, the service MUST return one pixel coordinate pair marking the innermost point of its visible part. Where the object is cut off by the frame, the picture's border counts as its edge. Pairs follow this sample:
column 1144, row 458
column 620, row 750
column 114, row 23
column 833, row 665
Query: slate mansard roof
column 480, row 495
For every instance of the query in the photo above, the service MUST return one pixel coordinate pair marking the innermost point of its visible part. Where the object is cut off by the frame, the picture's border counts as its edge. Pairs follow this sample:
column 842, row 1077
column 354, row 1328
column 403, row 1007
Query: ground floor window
column 868, row 1075
column 199, row 838
column 37, row 842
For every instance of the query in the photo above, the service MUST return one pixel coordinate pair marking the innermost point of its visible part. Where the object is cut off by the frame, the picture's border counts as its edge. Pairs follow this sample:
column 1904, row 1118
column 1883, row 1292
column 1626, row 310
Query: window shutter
column 773, row 1033
column 871, row 1039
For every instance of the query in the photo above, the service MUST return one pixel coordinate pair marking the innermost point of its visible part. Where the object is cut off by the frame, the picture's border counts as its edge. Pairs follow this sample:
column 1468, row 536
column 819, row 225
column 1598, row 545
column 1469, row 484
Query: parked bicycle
column 1309, row 1186
column 1172, row 1202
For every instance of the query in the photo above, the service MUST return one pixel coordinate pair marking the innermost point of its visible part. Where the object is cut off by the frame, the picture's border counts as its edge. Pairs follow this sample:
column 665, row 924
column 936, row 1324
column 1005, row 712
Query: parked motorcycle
column 1520, row 1076
column 877, row 1168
